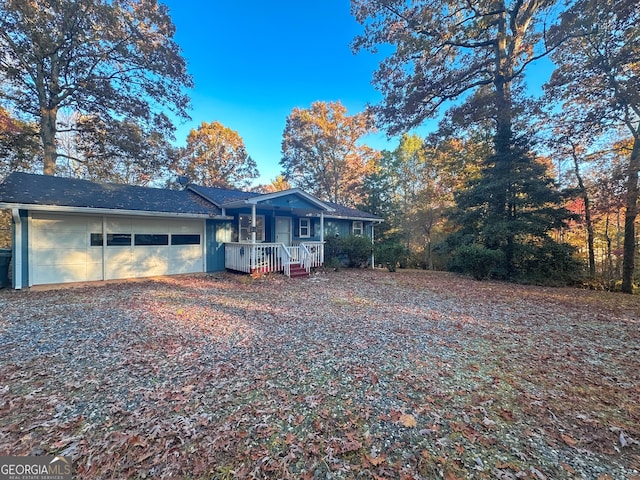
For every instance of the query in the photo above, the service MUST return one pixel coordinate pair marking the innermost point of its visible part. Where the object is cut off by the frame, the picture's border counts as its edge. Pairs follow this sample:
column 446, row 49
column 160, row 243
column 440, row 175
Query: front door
column 283, row 230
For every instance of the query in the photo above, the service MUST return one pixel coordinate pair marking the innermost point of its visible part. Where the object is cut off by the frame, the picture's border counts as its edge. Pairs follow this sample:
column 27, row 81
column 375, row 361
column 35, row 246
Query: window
column 244, row 230
column 304, row 230
column 358, row 228
column 96, row 239
column 185, row 239
column 146, row 239
column 118, row 239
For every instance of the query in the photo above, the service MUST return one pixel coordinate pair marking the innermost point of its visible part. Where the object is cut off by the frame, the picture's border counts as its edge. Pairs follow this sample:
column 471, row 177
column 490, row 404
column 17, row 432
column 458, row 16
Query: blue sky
column 254, row 61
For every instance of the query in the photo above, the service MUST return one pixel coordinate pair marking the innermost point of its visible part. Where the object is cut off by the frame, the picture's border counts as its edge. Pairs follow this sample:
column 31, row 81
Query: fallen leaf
column 377, row 460
column 408, row 420
column 572, row 442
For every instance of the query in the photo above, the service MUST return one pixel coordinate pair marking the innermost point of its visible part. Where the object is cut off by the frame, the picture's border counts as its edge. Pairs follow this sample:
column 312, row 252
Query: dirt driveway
column 349, row 374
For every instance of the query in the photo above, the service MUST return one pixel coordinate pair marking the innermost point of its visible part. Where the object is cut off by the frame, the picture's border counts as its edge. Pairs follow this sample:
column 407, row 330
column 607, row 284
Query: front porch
column 274, row 257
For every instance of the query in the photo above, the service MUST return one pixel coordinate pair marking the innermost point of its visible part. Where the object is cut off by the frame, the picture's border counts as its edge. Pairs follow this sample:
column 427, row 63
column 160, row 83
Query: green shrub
column 358, row 250
column 391, row 254
column 332, row 251
column 351, row 251
column 478, row 261
column 551, row 263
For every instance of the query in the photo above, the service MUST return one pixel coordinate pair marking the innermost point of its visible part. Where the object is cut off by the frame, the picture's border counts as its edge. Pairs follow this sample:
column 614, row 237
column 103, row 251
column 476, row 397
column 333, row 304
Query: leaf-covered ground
column 349, row 374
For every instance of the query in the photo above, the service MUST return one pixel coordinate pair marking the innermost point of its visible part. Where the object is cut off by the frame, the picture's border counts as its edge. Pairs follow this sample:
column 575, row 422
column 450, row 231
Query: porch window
column 358, row 228
column 244, row 228
column 304, row 230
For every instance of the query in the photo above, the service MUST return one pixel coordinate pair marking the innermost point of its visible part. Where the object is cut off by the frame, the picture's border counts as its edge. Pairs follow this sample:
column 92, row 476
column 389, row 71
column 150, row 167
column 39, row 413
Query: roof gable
column 292, row 198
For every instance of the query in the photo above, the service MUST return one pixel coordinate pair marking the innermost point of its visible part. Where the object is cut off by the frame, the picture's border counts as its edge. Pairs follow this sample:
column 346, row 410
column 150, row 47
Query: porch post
column 253, row 223
column 252, row 265
column 373, row 255
column 322, row 236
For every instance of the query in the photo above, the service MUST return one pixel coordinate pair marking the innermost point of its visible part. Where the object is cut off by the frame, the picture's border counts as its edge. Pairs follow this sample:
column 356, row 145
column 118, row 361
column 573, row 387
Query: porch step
column 298, row 271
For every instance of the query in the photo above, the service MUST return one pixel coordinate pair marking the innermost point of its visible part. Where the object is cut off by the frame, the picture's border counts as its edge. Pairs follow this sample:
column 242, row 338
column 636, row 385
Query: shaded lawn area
column 349, row 374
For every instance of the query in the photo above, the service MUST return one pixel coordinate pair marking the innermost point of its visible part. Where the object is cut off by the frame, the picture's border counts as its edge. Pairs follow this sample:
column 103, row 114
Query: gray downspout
column 17, row 249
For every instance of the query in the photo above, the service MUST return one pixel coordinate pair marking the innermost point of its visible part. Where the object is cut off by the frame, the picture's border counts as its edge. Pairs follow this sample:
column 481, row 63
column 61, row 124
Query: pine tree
column 506, row 218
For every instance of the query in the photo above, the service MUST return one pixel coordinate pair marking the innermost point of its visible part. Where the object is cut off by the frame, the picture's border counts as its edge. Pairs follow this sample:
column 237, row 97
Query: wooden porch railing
column 272, row 257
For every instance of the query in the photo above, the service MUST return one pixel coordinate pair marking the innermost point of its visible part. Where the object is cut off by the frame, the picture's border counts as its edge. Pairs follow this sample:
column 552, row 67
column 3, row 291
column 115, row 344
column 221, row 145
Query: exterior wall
column 332, row 226
column 343, row 228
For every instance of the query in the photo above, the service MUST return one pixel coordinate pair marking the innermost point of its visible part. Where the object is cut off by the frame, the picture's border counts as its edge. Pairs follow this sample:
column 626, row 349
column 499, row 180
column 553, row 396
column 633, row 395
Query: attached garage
column 70, row 230
column 79, row 248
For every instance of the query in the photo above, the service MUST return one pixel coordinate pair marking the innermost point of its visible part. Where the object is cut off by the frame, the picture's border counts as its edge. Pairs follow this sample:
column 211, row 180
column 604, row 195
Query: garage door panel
column 186, row 228
column 62, row 256
column 62, row 222
column 119, row 263
column 186, row 259
column 94, row 271
column 119, row 225
column 69, row 239
column 151, row 261
column 151, row 227
column 59, row 274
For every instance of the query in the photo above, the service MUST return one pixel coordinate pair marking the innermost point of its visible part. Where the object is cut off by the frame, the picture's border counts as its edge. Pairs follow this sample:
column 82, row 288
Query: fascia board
column 364, row 219
column 108, row 211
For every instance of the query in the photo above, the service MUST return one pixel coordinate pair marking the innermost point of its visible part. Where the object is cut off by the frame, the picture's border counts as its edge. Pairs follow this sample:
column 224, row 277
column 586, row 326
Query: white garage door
column 69, row 248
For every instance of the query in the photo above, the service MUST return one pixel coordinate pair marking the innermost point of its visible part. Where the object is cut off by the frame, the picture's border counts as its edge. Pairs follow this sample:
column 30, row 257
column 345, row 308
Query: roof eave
column 353, row 217
column 109, row 211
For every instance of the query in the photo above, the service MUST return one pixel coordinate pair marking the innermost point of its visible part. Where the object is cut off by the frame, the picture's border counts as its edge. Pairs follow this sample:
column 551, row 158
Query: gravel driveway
column 348, row 374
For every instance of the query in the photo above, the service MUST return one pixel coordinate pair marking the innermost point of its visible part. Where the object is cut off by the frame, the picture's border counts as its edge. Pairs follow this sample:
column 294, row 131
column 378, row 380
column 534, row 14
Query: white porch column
column 252, row 263
column 253, row 223
column 322, row 236
column 373, row 255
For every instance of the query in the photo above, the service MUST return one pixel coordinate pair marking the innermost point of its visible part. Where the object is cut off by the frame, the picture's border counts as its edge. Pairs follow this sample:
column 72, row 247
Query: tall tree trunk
column 608, row 268
column 587, row 217
column 48, row 129
column 629, row 253
column 501, row 203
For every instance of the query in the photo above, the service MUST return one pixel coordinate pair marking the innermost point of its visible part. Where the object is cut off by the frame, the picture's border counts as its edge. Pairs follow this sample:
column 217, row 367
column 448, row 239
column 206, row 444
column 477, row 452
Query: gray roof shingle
column 31, row 189
column 221, row 196
column 348, row 212
column 45, row 190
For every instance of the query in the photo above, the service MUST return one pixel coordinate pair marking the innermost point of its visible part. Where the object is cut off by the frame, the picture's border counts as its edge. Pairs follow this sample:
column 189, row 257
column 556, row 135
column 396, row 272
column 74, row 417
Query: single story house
column 72, row 230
